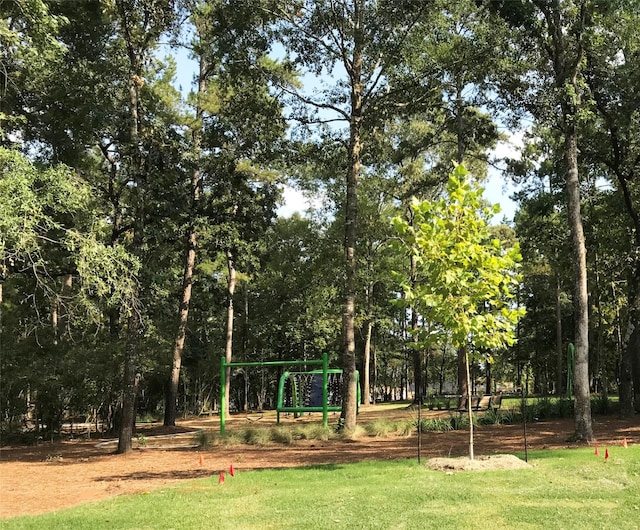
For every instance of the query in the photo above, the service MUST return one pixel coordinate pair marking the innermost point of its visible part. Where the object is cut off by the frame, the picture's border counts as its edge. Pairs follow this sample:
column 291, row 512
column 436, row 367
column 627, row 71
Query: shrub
column 459, row 421
column 543, row 408
column 600, row 404
column 511, row 415
column 565, row 407
column 491, row 417
column 204, row 438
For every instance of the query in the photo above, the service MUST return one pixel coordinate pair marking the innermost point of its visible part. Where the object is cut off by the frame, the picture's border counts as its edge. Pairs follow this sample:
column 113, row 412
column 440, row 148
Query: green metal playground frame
column 318, row 362
column 298, row 407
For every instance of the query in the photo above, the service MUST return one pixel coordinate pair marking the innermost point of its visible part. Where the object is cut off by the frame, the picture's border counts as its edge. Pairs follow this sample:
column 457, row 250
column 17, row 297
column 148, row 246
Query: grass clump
column 255, row 436
column 313, row 431
column 378, row 428
column 281, row 435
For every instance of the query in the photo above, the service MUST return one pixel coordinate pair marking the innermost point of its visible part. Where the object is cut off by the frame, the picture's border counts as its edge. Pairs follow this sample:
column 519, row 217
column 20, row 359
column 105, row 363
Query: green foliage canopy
column 466, row 279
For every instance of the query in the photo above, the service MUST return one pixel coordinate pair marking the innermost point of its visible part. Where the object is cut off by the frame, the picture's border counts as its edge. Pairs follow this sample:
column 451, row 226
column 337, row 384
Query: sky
column 497, row 190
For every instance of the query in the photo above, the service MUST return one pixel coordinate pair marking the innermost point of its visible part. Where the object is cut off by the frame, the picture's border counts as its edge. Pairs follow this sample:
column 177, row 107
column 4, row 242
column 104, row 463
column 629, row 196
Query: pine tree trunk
column 189, row 263
column 128, row 415
column 628, row 401
column 231, row 287
column 350, row 388
column 134, row 320
column 583, row 427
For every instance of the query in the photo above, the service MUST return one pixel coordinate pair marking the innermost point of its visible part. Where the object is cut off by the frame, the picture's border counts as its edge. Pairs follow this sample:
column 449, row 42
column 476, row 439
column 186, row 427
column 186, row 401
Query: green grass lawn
column 563, row 490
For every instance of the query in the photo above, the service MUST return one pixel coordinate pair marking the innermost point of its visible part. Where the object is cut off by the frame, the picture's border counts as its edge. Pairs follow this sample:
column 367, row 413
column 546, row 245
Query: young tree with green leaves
column 466, row 279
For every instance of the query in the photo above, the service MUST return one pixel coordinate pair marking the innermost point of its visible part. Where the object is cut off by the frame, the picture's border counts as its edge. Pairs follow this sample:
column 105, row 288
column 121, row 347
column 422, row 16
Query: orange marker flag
column 221, row 479
column 606, row 454
column 201, row 460
column 624, row 443
column 231, row 471
column 597, row 453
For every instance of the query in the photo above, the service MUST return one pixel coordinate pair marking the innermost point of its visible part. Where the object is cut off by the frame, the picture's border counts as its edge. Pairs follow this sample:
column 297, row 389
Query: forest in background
column 139, row 240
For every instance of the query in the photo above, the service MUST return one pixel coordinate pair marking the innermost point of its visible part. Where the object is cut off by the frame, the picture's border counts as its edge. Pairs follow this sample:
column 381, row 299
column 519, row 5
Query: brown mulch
column 51, row 476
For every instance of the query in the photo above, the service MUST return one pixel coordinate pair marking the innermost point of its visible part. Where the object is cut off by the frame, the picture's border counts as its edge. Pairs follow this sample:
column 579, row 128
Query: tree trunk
column 189, row 262
column 350, row 389
column 1, row 305
column 366, row 387
column 630, row 360
column 631, row 345
column 128, row 416
column 487, row 388
column 375, row 375
column 583, row 427
column 231, row 287
column 441, row 375
column 465, row 355
column 178, row 344
column 464, row 386
column 134, row 321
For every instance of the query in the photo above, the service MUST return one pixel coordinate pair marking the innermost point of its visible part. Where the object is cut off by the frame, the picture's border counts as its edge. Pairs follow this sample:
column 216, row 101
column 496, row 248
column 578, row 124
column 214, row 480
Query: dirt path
column 48, row 477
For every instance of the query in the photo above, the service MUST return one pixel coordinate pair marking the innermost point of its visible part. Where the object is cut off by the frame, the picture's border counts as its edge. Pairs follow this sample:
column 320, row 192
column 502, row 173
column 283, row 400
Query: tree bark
column 130, row 386
column 583, row 427
column 231, row 287
column 189, row 261
column 630, row 362
column 566, row 52
column 350, row 388
column 366, row 387
column 463, row 382
column 134, row 320
column 465, row 355
column 627, row 396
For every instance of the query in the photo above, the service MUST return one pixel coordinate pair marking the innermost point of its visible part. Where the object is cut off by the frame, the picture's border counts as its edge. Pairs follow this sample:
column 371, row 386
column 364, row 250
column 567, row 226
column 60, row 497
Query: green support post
column 325, row 390
column 223, row 384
